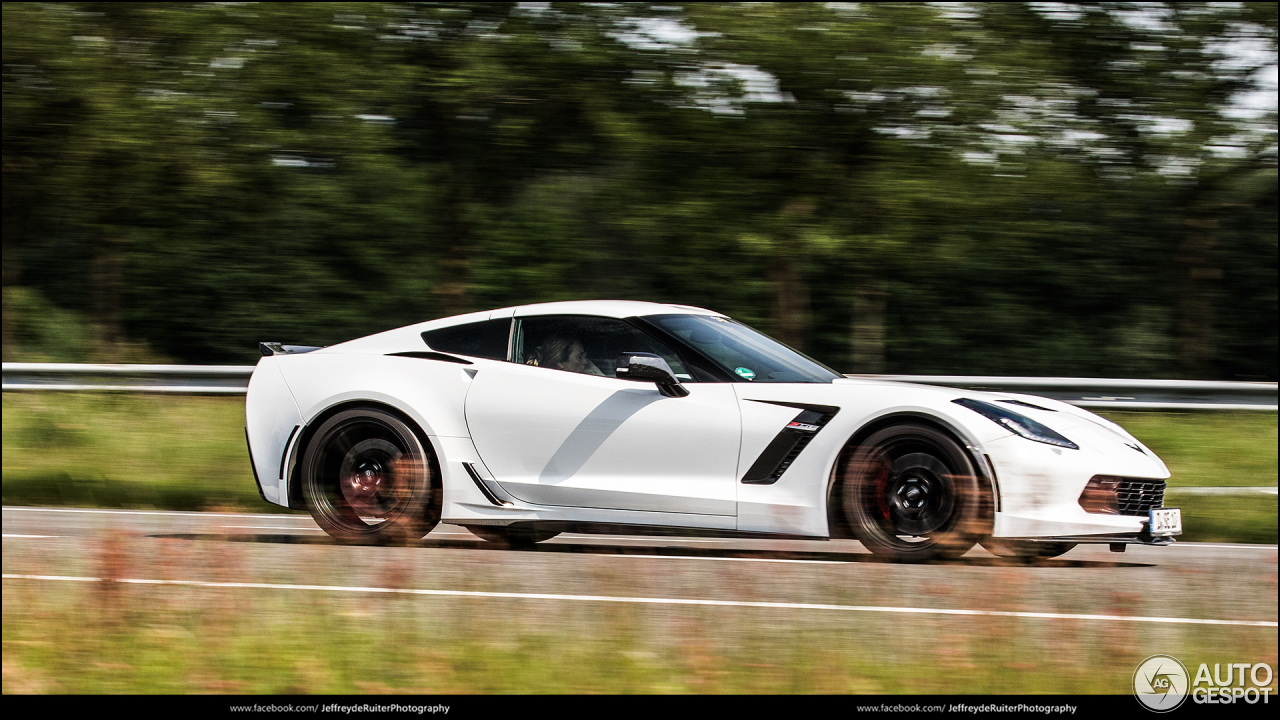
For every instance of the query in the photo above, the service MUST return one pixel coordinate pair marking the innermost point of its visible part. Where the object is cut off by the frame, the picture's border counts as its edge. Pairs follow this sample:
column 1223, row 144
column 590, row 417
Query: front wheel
column 511, row 537
column 367, row 479
column 911, row 493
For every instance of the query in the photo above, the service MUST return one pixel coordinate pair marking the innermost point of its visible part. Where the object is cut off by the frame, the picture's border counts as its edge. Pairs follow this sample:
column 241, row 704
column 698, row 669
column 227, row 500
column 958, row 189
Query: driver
column 564, row 353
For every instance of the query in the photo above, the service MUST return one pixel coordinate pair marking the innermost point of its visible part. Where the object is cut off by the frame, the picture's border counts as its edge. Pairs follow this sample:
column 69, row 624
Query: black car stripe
column 431, row 356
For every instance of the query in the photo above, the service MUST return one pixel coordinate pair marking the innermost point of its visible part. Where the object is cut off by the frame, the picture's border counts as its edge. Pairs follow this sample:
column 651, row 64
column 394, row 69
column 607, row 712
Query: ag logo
column 1161, row 683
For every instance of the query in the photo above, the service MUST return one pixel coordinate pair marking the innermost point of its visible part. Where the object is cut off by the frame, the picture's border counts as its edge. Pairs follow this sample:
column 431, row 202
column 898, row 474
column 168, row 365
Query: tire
column 1026, row 549
column 511, row 537
column 368, row 479
column 911, row 494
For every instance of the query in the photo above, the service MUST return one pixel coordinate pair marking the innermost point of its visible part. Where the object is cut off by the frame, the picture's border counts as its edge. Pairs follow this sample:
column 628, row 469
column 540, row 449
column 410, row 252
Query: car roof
column 605, row 308
column 392, row 340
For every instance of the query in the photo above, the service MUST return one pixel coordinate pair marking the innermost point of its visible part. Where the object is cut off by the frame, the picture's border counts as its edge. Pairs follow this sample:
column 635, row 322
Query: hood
column 1078, row 424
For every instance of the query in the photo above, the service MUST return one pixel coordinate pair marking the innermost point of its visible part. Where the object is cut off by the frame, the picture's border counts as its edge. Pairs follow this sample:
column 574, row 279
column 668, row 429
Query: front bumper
column 1040, row 487
column 1141, row 538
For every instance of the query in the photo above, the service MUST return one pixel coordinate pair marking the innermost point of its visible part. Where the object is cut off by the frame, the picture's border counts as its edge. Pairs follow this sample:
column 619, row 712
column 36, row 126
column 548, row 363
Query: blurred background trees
column 1039, row 189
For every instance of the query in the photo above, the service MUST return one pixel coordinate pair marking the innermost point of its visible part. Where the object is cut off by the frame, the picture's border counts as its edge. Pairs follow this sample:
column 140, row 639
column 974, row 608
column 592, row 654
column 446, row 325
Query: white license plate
column 1166, row 521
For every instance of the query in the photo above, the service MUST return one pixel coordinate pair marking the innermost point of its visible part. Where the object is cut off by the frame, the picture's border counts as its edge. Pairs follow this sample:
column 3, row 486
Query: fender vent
column 787, row 445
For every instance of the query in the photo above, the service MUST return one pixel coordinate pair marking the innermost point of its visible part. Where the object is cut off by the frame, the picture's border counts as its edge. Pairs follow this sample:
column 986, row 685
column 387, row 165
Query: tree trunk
column 791, row 301
column 791, row 292
column 453, row 290
column 10, row 281
column 1196, row 279
column 108, row 283
column 869, row 300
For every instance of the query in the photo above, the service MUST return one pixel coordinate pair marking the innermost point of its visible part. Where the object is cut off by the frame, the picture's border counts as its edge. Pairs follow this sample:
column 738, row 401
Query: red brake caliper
column 882, row 487
column 361, row 487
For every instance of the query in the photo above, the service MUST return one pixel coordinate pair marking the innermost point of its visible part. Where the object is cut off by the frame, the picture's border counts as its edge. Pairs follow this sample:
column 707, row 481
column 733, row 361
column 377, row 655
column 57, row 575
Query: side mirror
column 647, row 367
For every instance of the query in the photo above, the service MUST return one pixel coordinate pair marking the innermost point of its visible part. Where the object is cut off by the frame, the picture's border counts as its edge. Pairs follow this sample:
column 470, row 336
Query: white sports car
column 618, row 416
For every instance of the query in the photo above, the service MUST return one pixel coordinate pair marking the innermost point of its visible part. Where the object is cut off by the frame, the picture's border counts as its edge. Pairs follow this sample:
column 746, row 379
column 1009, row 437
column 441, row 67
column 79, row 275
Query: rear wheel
column 367, row 479
column 911, row 493
column 512, row 537
column 1026, row 549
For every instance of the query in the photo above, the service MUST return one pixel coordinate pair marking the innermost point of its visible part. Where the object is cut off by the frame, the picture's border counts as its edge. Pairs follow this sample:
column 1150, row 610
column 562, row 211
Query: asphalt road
column 583, row 614
column 1188, row 583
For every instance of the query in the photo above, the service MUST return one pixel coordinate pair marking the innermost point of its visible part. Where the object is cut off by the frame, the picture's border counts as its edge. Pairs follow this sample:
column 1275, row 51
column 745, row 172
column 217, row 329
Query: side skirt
column 589, row 528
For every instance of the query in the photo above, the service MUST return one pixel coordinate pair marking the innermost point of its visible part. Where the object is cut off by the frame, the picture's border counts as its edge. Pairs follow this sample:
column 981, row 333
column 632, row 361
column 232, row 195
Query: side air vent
column 783, row 450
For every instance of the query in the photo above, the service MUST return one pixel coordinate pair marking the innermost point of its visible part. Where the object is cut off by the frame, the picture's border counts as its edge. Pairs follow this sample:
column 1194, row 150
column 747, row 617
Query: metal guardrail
column 168, row 379
column 1117, row 394
column 1093, row 393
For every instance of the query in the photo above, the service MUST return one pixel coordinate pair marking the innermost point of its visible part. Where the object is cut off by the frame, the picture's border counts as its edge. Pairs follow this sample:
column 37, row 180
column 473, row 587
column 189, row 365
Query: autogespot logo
column 1160, row 683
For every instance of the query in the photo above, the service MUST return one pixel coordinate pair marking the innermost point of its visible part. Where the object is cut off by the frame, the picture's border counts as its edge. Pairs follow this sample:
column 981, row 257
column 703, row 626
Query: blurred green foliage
column 127, row 451
column 45, row 331
column 922, row 188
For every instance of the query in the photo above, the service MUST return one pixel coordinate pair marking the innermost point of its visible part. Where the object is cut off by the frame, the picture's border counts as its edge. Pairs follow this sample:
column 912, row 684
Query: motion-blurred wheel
column 912, row 494
column 367, row 479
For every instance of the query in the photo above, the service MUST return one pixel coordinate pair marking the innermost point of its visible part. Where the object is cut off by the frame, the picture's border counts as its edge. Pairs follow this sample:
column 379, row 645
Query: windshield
column 746, row 354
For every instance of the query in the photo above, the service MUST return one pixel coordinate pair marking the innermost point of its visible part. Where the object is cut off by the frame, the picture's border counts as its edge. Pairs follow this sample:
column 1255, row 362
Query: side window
column 588, row 345
column 486, row 339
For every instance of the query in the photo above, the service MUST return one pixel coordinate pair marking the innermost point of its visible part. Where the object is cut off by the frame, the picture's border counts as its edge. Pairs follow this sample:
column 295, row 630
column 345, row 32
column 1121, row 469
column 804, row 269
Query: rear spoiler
column 273, row 348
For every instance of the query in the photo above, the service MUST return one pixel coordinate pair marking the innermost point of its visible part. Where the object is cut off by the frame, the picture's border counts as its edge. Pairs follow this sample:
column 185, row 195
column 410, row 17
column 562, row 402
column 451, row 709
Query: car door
column 581, row 437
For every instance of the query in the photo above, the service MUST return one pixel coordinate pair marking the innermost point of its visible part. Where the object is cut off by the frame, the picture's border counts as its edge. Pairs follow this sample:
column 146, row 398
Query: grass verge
column 1209, row 449
column 105, row 638
column 1226, row 518
column 127, row 451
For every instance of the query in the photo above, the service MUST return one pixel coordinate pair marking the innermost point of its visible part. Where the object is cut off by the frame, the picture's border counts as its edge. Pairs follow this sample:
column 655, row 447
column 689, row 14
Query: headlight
column 1020, row 424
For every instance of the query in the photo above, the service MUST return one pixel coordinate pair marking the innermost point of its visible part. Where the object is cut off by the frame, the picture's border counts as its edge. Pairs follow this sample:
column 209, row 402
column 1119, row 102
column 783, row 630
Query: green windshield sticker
column 745, row 373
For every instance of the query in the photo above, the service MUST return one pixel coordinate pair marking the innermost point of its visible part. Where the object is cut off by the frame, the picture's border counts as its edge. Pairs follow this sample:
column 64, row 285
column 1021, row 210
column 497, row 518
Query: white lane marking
column 661, row 601
column 632, row 538
column 273, row 527
column 7, row 508
column 1235, row 490
column 73, row 578
column 638, row 538
column 1224, row 546
column 658, row 557
column 265, row 516
column 30, row 536
column 776, row 560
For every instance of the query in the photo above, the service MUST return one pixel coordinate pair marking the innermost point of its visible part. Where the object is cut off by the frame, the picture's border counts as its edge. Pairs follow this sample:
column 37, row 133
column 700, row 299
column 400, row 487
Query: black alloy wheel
column 368, row 479
column 911, row 493
column 512, row 537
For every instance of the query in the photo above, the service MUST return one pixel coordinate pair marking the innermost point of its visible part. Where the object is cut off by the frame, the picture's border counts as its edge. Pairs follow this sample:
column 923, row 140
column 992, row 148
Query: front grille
column 1122, row 496
column 1137, row 497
